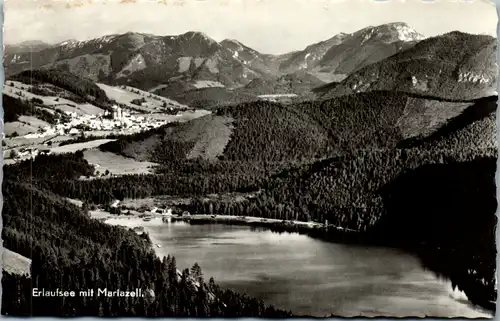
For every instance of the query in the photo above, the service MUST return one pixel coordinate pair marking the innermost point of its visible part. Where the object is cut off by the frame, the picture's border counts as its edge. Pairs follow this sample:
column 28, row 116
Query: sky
column 269, row 26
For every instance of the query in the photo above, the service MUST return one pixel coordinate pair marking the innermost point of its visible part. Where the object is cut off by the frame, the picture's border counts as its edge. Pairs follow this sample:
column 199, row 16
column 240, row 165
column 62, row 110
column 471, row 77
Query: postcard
column 249, row 158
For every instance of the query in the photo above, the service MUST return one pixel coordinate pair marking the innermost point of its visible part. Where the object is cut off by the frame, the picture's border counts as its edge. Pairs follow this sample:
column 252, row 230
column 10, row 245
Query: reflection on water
column 308, row 276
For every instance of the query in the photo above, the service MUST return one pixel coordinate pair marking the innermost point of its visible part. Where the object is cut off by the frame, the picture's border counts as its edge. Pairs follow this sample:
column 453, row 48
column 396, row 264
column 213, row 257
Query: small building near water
column 115, row 204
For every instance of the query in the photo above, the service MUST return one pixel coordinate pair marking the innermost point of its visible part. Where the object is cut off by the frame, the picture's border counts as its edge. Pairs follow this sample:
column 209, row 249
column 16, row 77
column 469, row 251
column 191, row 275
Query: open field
column 329, row 77
column 75, row 202
column 207, row 135
column 15, row 263
column 117, row 164
column 14, row 142
column 80, row 109
column 25, row 125
column 207, row 83
column 33, row 121
column 100, row 214
column 124, row 95
column 211, row 134
column 71, row 148
column 19, row 128
column 18, row 143
column 277, row 96
column 19, row 86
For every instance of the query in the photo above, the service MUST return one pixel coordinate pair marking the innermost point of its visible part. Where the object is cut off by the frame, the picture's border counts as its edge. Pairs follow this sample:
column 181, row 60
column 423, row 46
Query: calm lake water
column 308, row 276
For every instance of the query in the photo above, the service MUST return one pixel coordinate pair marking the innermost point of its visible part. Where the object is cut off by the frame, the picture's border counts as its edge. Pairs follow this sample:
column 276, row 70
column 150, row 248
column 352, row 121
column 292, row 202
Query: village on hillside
column 31, row 136
column 119, row 122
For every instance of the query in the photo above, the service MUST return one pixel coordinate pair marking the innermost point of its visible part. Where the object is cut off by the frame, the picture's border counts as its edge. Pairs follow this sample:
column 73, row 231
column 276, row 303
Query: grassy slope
column 17, row 107
column 125, row 94
column 81, row 87
column 117, row 164
column 15, row 263
column 44, row 95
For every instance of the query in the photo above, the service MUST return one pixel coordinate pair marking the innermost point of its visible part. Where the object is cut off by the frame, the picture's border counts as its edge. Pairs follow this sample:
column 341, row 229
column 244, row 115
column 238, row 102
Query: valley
column 378, row 141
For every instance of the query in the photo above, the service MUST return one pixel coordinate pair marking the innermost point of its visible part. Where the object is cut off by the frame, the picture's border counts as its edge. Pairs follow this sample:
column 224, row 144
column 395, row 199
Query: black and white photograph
column 249, row 158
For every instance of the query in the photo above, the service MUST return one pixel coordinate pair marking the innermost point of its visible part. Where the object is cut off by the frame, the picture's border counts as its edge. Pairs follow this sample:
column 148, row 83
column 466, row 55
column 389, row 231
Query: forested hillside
column 356, row 191
column 273, row 132
column 354, row 161
column 288, row 172
column 355, row 187
column 263, row 131
column 70, row 251
column 206, row 98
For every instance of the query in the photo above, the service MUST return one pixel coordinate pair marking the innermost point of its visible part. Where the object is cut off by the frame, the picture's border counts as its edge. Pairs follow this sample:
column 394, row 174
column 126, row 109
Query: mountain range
column 168, row 65
column 453, row 69
column 453, row 66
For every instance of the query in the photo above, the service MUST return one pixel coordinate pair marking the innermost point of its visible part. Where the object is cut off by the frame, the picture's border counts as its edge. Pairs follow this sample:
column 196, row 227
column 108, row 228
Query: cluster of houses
column 278, row 97
column 117, row 120
column 155, row 210
column 148, row 214
column 161, row 211
column 28, row 153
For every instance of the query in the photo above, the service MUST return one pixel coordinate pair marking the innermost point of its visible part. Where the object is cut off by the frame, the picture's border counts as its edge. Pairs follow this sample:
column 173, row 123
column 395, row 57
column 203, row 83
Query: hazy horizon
column 269, row 26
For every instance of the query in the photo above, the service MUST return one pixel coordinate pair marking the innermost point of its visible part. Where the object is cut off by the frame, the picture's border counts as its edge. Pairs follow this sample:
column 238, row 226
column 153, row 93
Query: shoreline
column 280, row 225
column 310, row 229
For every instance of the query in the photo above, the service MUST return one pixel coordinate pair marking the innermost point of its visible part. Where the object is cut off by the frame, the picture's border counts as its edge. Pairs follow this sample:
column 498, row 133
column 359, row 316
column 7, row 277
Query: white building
column 119, row 113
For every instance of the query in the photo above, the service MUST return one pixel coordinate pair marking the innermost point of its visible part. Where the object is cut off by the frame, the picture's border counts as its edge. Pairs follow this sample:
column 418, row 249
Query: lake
column 306, row 275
